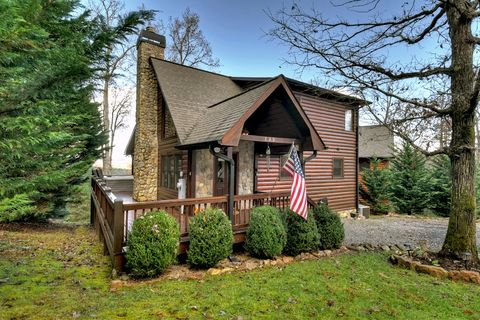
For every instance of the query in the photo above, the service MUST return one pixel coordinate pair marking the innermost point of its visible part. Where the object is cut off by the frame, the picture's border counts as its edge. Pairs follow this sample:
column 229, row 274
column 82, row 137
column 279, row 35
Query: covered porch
column 113, row 211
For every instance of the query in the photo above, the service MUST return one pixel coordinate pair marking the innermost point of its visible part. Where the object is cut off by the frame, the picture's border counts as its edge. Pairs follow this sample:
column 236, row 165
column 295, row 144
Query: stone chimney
column 145, row 159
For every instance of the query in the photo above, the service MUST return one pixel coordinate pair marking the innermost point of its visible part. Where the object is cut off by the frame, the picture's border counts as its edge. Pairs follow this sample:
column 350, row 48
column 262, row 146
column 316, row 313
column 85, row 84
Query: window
column 171, row 167
column 348, row 120
column 337, row 168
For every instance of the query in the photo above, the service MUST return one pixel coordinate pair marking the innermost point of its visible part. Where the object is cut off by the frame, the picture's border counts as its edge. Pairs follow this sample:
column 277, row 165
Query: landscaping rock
column 328, row 253
column 115, row 285
column 465, row 275
column 435, row 271
column 385, row 248
column 404, row 262
column 250, row 265
column 214, row 271
column 287, row 259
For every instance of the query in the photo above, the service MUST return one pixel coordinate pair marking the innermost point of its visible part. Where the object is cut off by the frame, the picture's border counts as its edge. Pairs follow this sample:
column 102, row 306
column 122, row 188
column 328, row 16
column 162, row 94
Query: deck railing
column 113, row 219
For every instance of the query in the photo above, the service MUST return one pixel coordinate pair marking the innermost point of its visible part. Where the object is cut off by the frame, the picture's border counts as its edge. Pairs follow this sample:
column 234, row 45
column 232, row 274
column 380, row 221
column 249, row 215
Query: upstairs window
column 171, row 167
column 337, row 169
column 348, row 120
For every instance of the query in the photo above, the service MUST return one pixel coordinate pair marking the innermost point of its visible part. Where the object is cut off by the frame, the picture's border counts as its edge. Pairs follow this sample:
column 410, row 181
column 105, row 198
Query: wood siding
column 328, row 119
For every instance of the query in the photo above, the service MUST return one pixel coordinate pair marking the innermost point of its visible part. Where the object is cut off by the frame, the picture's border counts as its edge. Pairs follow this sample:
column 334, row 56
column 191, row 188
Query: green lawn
column 60, row 273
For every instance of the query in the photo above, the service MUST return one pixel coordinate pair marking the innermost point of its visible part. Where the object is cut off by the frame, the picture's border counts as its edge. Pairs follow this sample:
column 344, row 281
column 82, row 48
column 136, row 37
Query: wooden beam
column 251, row 137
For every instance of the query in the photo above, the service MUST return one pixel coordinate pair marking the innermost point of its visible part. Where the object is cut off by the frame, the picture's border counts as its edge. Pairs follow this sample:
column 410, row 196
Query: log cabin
column 230, row 135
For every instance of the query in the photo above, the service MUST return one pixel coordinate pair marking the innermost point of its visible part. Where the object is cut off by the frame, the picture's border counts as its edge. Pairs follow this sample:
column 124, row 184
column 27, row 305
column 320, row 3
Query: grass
column 48, row 272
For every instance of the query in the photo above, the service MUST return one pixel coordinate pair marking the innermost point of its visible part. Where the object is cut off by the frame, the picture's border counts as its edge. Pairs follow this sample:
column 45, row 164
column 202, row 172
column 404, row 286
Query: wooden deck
column 112, row 214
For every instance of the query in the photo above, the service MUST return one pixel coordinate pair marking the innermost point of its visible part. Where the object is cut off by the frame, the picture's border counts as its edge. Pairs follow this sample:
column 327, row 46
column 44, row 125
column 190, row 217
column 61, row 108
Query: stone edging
column 439, row 272
column 245, row 263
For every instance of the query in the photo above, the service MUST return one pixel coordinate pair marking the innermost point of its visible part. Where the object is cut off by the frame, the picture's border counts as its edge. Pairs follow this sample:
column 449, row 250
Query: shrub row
column 153, row 241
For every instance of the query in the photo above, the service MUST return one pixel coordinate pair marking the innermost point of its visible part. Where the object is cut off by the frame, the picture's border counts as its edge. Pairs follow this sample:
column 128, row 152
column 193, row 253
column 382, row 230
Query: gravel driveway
column 398, row 230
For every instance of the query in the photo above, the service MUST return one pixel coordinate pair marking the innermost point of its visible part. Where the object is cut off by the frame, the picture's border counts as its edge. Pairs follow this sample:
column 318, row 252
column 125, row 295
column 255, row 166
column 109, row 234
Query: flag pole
column 281, row 168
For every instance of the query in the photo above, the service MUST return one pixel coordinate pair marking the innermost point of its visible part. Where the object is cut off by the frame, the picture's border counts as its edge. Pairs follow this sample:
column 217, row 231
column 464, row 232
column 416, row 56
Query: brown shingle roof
column 219, row 118
column 188, row 92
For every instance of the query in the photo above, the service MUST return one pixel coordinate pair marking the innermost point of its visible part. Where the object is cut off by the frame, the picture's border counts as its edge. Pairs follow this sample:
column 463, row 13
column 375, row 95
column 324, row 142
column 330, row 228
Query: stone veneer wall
column 145, row 160
column 203, row 173
column 246, row 154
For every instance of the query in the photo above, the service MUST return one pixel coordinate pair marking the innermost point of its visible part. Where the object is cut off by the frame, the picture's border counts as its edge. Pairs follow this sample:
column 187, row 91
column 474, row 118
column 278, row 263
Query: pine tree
column 50, row 128
column 375, row 187
column 410, row 181
column 440, row 186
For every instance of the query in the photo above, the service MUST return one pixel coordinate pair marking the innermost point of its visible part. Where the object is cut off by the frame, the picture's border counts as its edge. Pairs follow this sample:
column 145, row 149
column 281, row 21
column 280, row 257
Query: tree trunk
column 107, row 154
column 477, row 137
column 461, row 233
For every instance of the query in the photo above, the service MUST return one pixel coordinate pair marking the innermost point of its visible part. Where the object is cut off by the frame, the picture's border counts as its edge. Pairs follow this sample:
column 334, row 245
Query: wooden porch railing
column 113, row 219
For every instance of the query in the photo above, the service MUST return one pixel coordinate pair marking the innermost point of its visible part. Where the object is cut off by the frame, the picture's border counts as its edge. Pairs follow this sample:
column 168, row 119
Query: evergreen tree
column 410, row 181
column 50, row 128
column 375, row 187
column 440, row 185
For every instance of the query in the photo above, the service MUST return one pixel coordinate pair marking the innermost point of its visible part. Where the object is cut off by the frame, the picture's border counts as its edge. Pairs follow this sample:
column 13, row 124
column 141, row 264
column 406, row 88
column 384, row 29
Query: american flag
column 298, row 196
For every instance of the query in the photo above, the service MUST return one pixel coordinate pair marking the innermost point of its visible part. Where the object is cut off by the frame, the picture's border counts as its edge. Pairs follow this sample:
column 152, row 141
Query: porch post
column 231, row 183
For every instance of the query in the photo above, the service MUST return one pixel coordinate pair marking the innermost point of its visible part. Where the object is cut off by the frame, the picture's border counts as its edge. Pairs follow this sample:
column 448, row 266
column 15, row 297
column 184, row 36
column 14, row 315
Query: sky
column 236, row 32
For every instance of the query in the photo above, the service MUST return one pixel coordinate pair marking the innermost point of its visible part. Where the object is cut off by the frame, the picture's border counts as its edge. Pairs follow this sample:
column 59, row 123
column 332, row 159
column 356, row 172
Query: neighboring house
column 374, row 142
column 215, row 128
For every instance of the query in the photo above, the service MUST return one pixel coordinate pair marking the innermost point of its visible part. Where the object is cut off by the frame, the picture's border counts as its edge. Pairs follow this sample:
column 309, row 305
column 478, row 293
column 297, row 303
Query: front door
column 221, row 176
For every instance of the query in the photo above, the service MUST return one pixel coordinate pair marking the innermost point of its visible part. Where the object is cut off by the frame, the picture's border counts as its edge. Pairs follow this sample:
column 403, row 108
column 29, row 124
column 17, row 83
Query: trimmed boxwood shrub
column 330, row 227
column 302, row 235
column 266, row 235
column 152, row 244
column 211, row 238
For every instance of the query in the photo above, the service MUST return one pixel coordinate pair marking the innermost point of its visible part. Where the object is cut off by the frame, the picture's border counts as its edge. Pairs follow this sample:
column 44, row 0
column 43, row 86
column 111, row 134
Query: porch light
column 217, row 149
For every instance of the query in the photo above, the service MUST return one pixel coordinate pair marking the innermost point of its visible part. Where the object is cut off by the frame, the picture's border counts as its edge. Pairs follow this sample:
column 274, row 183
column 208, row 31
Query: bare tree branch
column 188, row 44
